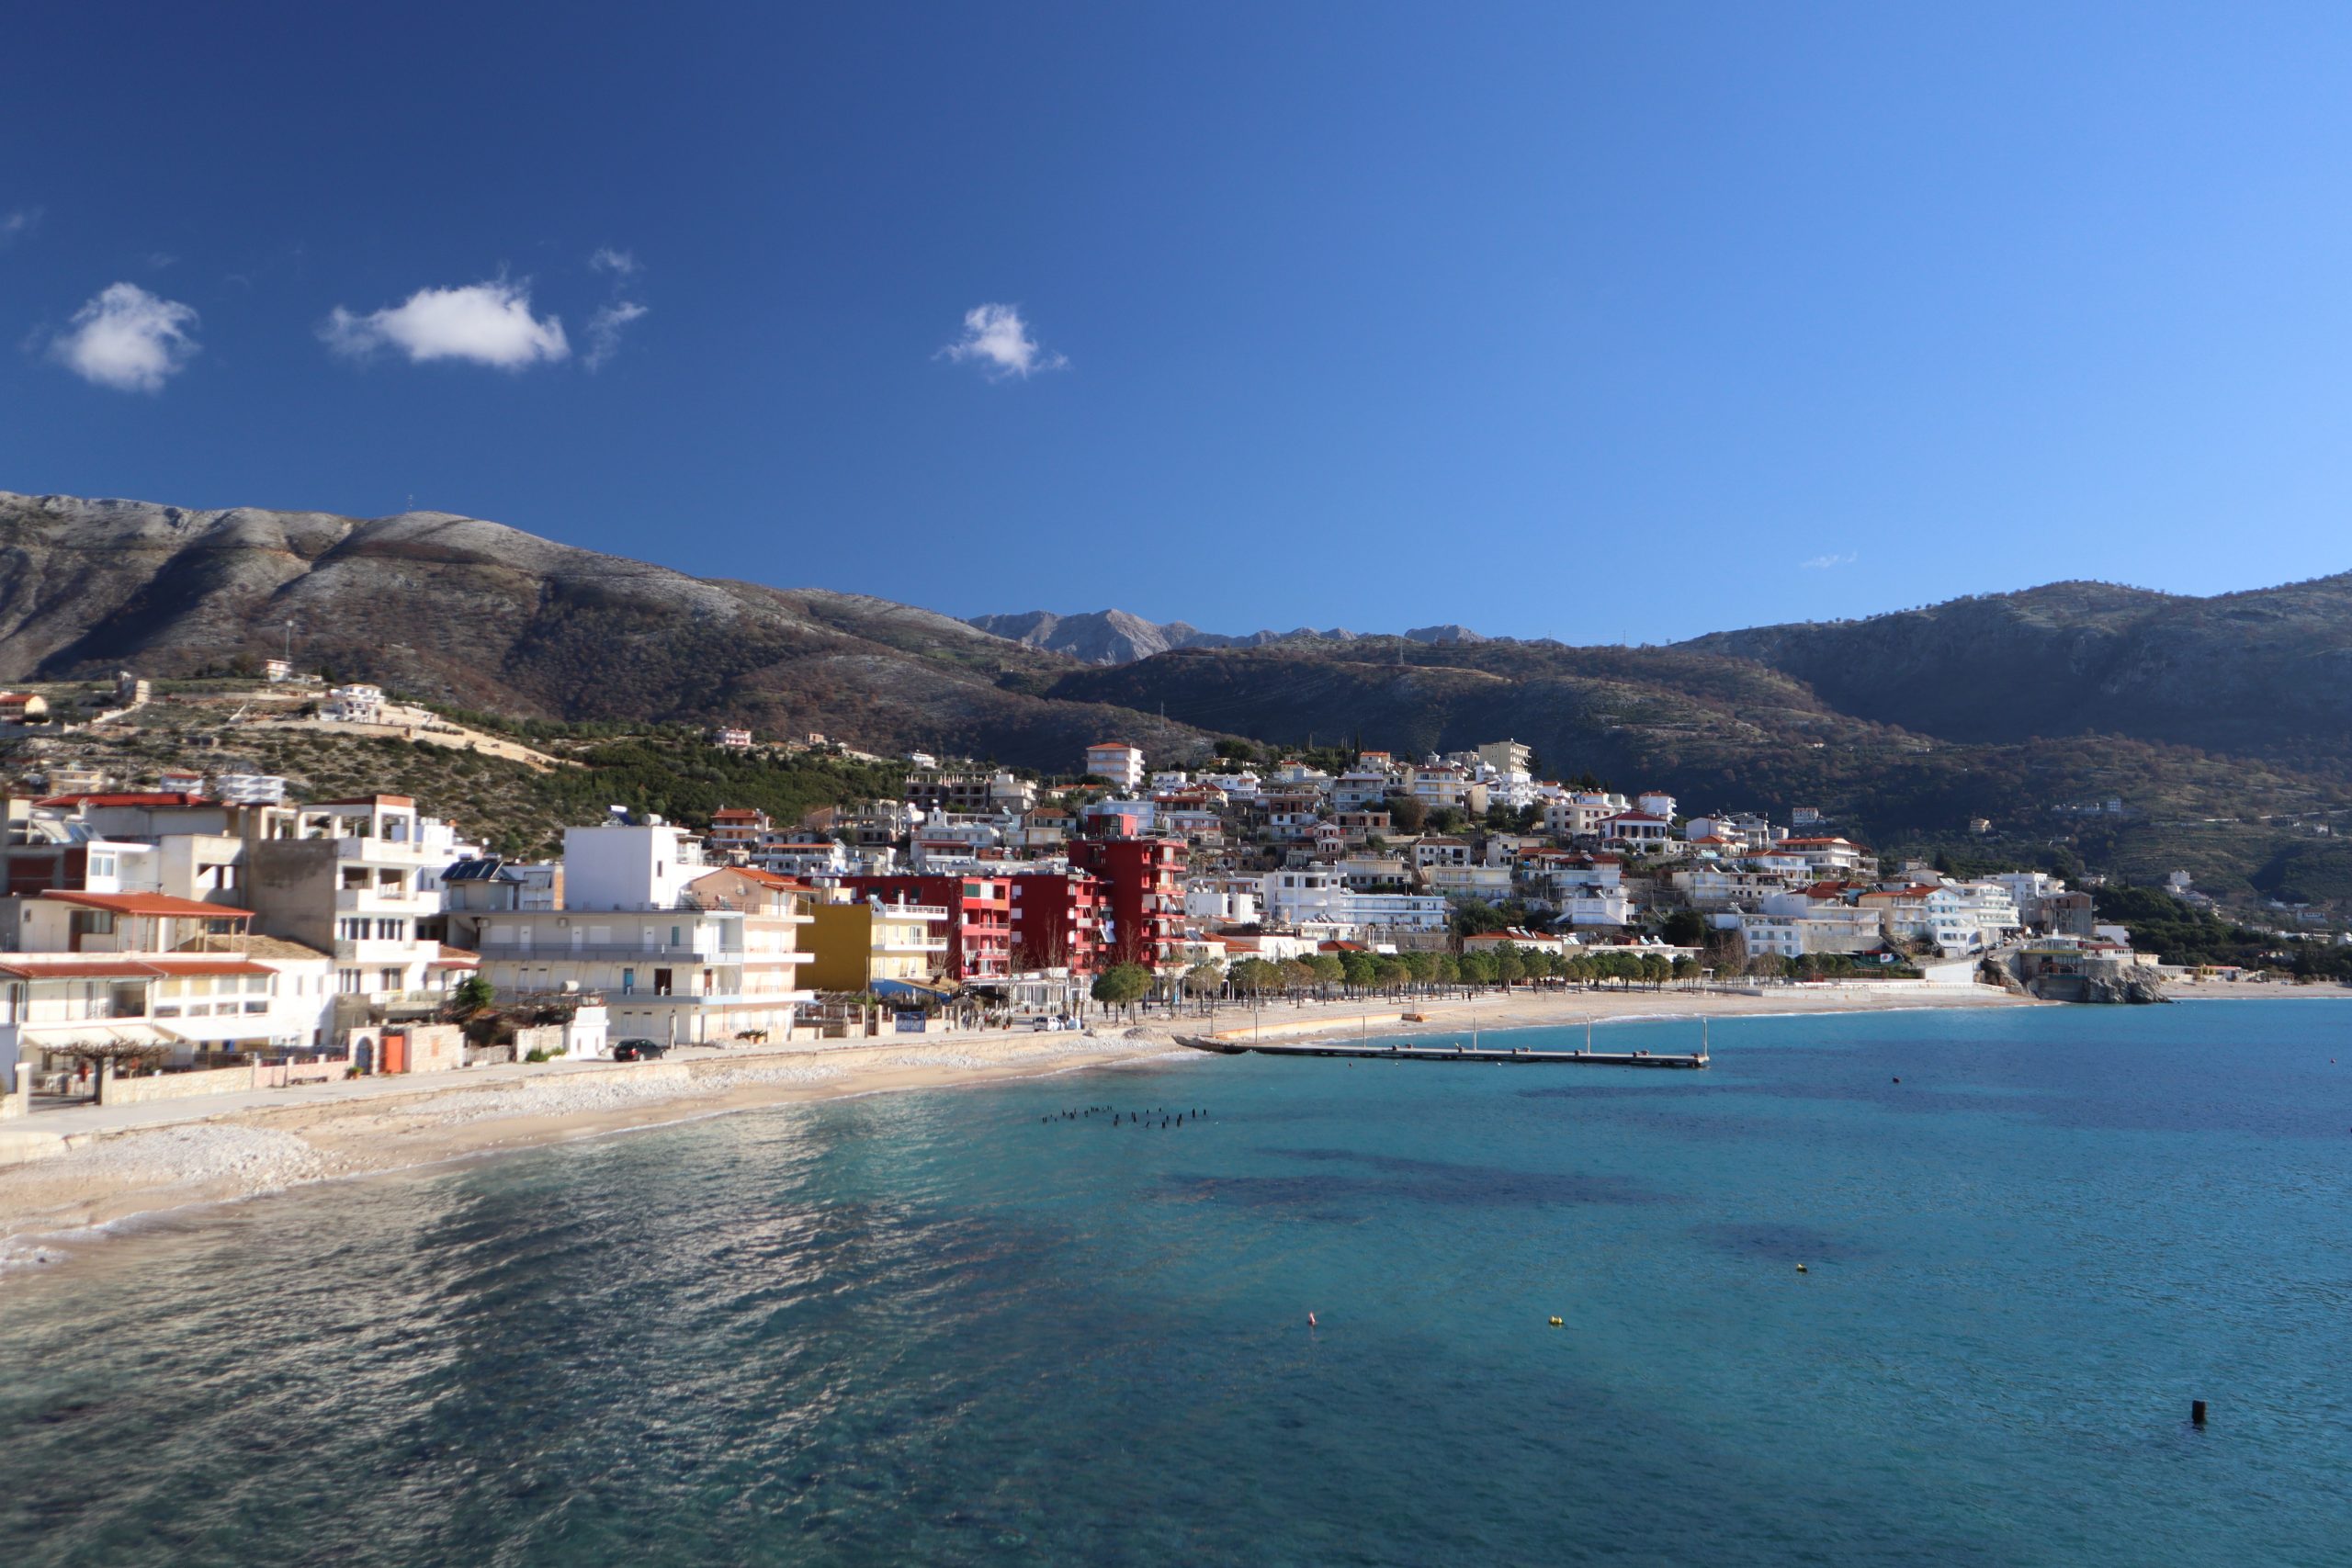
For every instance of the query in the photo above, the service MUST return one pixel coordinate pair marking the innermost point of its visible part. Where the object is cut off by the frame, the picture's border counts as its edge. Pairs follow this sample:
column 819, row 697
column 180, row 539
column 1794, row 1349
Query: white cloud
column 1826, row 563
column 621, row 263
column 489, row 323
column 14, row 226
column 128, row 339
column 604, row 331
column 997, row 337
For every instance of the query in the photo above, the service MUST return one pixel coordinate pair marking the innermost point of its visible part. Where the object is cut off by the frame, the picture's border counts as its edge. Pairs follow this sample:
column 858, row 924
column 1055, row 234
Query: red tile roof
column 149, row 904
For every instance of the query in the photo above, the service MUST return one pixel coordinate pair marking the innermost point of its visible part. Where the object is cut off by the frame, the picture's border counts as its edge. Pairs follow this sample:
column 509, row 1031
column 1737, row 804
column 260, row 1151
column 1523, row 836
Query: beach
column 129, row 1161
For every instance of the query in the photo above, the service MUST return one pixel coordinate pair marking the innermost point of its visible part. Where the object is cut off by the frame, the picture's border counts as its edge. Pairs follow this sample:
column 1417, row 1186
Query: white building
column 1596, row 907
column 360, row 879
column 249, row 789
column 1637, row 827
column 1304, row 896
column 148, row 969
column 1789, row 926
column 1222, row 901
column 1118, row 761
column 356, row 705
column 679, row 951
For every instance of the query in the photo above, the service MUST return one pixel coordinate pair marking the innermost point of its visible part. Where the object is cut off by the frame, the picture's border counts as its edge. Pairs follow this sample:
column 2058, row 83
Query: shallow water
column 927, row 1327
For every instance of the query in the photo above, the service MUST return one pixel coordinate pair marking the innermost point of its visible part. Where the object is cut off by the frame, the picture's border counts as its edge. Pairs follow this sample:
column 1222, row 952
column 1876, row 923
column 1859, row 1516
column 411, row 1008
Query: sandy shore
column 198, row 1151
column 145, row 1159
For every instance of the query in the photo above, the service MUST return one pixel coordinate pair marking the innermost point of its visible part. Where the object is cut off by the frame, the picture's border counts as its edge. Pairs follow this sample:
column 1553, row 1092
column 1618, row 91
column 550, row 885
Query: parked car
column 637, row 1050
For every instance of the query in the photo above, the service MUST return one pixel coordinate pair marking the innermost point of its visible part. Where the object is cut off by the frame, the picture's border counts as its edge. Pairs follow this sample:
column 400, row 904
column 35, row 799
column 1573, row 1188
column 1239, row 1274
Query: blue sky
column 1594, row 322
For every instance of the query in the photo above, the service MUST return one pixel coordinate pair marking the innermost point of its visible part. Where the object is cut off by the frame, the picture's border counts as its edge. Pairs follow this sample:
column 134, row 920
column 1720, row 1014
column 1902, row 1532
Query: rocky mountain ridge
column 1116, row 637
column 474, row 613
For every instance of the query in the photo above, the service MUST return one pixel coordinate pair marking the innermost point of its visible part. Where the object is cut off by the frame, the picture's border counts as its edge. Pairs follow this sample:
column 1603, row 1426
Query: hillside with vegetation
column 513, row 807
column 2263, row 673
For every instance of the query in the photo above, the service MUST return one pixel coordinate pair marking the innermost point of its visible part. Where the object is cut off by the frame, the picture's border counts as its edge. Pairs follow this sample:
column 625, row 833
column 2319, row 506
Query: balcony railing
column 550, row 952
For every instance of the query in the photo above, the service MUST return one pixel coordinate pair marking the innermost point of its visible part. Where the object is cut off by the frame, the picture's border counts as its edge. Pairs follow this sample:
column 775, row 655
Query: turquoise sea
column 933, row 1328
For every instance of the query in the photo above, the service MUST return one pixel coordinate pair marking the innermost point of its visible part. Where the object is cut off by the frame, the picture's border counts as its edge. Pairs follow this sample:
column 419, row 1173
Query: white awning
column 98, row 1031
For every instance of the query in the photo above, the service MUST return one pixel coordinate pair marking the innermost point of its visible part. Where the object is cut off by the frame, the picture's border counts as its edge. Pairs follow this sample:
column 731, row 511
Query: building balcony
column 376, row 902
column 558, row 952
column 403, row 853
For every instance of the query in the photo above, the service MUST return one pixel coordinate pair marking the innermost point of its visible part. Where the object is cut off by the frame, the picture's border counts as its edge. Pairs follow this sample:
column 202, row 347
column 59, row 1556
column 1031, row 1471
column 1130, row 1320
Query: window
column 392, row 931
column 347, row 981
column 93, row 922
column 391, row 979
column 101, row 865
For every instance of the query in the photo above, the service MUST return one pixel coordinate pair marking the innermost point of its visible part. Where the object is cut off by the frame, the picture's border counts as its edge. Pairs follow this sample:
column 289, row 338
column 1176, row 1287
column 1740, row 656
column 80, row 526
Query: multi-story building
column 1825, row 857
column 1468, row 881
column 1043, row 827
column 1440, row 849
column 976, row 924
column 1580, row 816
column 1789, row 926
column 863, row 944
column 736, row 833
column 1507, row 757
column 356, row 705
column 1360, row 789
column 1058, row 921
column 1222, row 901
column 1444, row 787
column 679, row 950
column 148, row 969
column 249, row 789
column 1313, row 896
column 1117, row 761
column 1636, row 828
column 360, row 879
column 1143, row 902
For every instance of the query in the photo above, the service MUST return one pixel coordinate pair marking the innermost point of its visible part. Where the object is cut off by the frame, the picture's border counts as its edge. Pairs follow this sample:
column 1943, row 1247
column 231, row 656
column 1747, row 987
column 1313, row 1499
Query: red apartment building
column 1058, row 921
column 978, row 927
column 1145, row 894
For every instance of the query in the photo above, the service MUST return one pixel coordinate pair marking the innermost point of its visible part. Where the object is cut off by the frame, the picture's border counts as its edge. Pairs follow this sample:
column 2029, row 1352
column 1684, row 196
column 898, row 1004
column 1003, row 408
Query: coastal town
column 186, row 923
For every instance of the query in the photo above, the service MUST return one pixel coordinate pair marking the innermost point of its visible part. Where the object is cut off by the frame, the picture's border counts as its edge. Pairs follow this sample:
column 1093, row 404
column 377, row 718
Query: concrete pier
column 1457, row 1052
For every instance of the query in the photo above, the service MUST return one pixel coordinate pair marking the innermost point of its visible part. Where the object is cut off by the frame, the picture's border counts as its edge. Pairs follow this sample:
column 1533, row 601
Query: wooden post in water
column 2197, row 1413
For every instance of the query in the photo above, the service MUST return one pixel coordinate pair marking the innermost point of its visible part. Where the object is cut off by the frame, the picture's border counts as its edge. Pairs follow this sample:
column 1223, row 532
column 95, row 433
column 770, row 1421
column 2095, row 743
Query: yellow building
column 855, row 944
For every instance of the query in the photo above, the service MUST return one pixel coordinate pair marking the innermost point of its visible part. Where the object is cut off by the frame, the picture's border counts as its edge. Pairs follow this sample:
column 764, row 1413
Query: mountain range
column 1114, row 637
column 2008, row 706
column 482, row 616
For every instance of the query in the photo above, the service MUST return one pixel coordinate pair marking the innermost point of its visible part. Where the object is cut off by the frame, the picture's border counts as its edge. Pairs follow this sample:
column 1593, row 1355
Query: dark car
column 637, row 1050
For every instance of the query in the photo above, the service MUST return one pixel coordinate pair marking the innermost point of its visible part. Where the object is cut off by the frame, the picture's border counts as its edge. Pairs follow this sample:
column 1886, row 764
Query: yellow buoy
column 1800, row 1268
column 1555, row 1323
